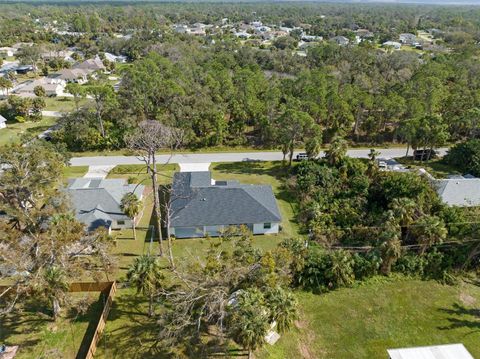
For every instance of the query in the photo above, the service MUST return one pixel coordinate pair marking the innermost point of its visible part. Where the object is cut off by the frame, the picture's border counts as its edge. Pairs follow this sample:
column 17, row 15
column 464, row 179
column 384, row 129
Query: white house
column 3, row 122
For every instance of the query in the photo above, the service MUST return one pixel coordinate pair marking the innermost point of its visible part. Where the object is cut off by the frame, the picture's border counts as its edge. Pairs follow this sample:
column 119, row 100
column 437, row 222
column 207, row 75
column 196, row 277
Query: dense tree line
column 393, row 220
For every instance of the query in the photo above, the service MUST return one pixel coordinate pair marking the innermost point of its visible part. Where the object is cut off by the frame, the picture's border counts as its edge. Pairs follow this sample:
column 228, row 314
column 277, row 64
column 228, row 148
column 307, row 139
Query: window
column 120, row 223
column 267, row 225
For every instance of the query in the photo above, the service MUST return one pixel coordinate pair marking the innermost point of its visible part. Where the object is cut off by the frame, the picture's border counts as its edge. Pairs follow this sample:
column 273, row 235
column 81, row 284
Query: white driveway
column 194, row 167
column 53, row 113
column 98, row 171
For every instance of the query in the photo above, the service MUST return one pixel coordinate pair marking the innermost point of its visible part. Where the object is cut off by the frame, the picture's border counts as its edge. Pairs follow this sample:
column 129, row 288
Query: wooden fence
column 90, row 339
column 95, row 328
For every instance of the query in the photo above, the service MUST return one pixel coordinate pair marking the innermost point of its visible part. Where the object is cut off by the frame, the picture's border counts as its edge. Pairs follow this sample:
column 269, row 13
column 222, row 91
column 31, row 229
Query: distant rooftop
column 448, row 351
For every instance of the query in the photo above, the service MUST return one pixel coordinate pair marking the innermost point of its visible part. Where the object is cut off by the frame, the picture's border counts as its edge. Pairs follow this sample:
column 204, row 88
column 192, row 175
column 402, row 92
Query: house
column 201, row 206
column 115, row 58
column 71, row 75
column 340, row 40
column 393, row 44
column 52, row 87
column 448, row 351
column 97, row 201
column 7, row 51
column 364, row 34
column 460, row 191
column 3, row 122
column 92, row 65
column 408, row 39
column 24, row 69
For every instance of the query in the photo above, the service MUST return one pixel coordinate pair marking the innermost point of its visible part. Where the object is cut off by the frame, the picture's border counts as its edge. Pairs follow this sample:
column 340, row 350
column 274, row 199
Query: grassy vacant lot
column 37, row 336
column 62, row 104
column 365, row 321
column 15, row 130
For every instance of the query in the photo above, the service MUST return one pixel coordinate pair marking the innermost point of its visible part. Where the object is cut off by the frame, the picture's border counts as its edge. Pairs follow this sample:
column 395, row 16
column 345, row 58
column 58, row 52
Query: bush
column 366, row 265
column 465, row 156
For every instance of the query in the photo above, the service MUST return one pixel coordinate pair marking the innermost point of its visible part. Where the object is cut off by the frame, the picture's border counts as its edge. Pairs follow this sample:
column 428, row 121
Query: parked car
column 302, row 157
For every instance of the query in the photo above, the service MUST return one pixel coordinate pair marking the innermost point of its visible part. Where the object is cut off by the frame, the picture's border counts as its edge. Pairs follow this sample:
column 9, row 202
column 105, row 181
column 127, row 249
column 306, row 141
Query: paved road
column 220, row 157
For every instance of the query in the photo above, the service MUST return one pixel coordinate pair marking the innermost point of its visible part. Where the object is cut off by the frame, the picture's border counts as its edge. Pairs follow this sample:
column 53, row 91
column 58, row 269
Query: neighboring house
column 95, row 64
column 340, row 40
column 461, row 191
column 393, row 44
column 97, row 201
column 65, row 55
column 7, row 51
column 114, row 58
column 201, row 206
column 364, row 34
column 52, row 87
column 448, row 351
column 3, row 122
column 71, row 75
column 24, row 69
column 408, row 39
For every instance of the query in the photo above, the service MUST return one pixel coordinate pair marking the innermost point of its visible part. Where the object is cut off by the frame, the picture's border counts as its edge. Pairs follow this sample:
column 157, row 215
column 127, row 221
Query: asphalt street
column 222, row 157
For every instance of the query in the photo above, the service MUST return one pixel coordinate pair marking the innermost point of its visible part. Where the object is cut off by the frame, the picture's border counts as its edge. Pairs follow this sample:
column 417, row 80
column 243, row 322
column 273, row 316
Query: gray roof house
column 462, row 191
column 97, row 201
column 3, row 122
column 201, row 206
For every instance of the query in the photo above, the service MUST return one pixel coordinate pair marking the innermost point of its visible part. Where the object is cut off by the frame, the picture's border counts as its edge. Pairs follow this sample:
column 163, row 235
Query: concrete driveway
column 98, row 171
column 194, row 167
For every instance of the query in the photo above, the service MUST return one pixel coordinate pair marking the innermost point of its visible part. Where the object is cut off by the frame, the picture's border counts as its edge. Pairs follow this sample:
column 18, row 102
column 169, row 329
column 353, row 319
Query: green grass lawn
column 138, row 173
column 436, row 167
column 74, row 171
column 365, row 321
column 15, row 130
column 62, row 104
column 33, row 330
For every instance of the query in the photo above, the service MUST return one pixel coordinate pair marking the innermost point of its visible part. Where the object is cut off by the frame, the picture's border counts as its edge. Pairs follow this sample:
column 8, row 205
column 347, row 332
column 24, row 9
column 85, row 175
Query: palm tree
column 283, row 308
column 249, row 320
column 130, row 205
column 55, row 286
column 391, row 246
column 430, row 230
column 337, row 151
column 145, row 274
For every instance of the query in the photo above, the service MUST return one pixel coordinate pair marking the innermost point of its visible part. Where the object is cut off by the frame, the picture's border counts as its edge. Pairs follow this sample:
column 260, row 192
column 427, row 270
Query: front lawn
column 365, row 321
column 31, row 327
column 14, row 130
column 138, row 173
column 62, row 104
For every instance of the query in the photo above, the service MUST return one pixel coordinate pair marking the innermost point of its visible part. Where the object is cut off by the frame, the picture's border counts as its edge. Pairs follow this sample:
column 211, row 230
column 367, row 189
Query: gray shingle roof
column 97, row 201
column 463, row 192
column 196, row 202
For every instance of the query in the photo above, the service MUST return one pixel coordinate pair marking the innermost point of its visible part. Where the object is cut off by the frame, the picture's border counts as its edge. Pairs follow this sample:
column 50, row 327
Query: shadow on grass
column 462, row 317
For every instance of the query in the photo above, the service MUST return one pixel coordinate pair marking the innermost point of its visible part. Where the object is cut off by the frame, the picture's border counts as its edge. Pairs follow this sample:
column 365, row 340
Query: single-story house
column 7, row 51
column 461, row 191
column 340, row 40
column 97, row 201
column 95, row 64
column 115, row 58
column 392, row 44
column 407, row 38
column 201, row 206
column 447, row 351
column 3, row 122
column 71, row 75
column 52, row 87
